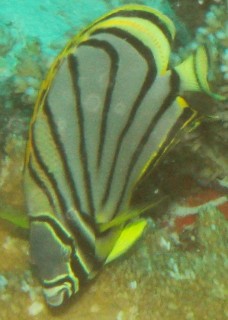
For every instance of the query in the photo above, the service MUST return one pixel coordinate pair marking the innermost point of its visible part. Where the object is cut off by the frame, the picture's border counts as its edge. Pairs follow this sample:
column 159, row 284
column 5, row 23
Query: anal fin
column 129, row 235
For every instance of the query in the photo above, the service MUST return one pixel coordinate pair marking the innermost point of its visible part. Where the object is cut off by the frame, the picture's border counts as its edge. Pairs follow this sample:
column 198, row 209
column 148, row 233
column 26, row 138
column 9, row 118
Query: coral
column 11, row 192
column 160, row 278
column 213, row 33
column 22, row 69
column 7, row 41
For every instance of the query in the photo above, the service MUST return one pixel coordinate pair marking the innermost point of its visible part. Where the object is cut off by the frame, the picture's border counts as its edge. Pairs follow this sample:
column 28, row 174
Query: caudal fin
column 193, row 73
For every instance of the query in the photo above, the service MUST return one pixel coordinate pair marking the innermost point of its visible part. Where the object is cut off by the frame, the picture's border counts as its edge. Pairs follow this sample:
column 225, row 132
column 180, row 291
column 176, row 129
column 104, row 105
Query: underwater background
column 178, row 269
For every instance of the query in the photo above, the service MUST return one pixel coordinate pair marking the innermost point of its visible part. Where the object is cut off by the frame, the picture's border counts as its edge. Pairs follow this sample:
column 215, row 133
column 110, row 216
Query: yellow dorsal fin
column 193, row 73
column 156, row 35
column 129, row 235
column 137, row 7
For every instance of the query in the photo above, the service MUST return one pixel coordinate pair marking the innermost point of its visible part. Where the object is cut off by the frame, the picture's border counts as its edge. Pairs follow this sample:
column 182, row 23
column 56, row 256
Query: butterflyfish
column 107, row 112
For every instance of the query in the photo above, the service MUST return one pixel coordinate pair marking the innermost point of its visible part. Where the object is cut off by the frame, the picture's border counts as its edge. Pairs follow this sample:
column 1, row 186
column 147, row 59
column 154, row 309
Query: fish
column 108, row 111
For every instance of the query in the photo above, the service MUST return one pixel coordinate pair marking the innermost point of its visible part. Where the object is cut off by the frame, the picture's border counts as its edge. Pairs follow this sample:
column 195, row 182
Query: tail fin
column 193, row 73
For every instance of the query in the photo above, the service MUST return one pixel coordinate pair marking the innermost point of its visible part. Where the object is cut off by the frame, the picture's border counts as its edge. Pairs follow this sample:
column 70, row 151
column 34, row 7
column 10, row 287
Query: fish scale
column 106, row 114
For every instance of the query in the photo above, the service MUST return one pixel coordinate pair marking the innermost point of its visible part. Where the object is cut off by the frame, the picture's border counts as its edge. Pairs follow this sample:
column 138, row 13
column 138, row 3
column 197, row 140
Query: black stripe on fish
column 195, row 67
column 62, row 154
column 149, row 16
column 82, row 238
column 74, row 72
column 174, row 88
column 114, row 59
column 58, row 282
column 60, row 147
column 147, row 55
column 77, row 269
column 49, row 175
column 186, row 115
column 145, row 15
column 40, row 183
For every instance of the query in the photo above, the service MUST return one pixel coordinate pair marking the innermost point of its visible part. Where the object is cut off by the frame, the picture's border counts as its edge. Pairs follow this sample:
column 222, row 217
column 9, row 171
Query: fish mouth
column 58, row 295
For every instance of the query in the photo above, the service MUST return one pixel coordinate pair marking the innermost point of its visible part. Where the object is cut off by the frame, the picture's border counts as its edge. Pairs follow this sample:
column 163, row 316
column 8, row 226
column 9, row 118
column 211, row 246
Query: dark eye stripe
column 77, row 268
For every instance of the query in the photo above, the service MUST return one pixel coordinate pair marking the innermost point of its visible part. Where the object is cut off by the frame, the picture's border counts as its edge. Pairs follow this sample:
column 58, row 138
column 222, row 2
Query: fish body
column 107, row 112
